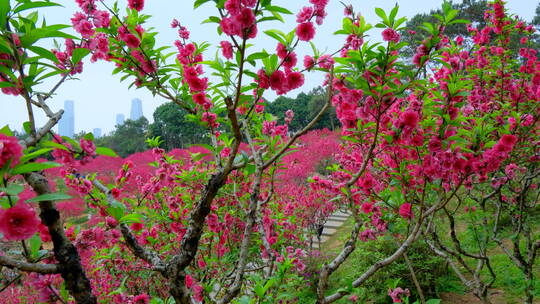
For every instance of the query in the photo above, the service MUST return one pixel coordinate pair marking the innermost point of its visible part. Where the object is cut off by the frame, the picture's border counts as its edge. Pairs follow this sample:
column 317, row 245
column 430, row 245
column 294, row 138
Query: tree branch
column 29, row 267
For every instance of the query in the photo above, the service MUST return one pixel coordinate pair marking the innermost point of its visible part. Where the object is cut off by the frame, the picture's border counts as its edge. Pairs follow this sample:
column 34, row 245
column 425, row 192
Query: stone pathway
column 332, row 224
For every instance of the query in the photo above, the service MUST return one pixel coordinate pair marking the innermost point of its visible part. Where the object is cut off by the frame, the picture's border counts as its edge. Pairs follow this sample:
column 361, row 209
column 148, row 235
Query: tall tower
column 136, row 109
column 97, row 132
column 120, row 119
column 66, row 125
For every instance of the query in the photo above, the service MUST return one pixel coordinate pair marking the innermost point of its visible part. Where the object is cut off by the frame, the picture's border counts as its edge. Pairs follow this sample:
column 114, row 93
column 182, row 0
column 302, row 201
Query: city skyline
column 120, row 118
column 136, row 109
column 66, row 125
column 100, row 95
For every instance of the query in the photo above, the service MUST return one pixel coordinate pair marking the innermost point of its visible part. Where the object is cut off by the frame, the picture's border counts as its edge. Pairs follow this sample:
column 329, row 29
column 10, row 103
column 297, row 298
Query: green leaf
column 380, row 12
column 106, row 151
column 27, row 127
column 12, row 189
column 43, row 53
column 5, row 84
column 32, row 167
column 131, row 218
column 57, row 196
column 259, row 55
column 4, row 10
column 33, row 4
column 53, row 144
column 79, row 54
column 34, row 243
column 393, row 14
column 116, row 212
column 279, row 9
column 63, row 291
column 199, row 3
column 29, row 156
column 6, row 131
column 89, row 136
column 212, row 19
column 278, row 35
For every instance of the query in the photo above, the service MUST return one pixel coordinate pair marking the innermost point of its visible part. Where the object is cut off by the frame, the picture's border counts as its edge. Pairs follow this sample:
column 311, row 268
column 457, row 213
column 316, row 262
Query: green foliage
column 470, row 10
column 126, row 139
column 305, row 107
column 175, row 129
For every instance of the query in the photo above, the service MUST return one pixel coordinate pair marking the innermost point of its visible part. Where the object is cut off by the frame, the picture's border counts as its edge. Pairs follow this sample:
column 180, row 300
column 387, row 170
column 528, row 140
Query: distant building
column 120, row 119
column 97, row 132
column 136, row 109
column 66, row 125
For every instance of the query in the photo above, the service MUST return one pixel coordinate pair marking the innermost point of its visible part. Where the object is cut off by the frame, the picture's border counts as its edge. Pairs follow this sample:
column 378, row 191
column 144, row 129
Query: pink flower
column 226, row 49
column 262, row 79
column 305, row 14
column 189, row 281
column 88, row 147
column 391, row 35
column 326, row 62
column 198, row 293
column 230, row 26
column 115, row 193
column 141, row 299
column 82, row 25
column 210, row 119
column 305, row 31
column 348, row 10
column 277, row 80
column 200, row 98
column 183, row 32
column 131, row 40
column 295, row 80
column 246, row 18
column 249, row 3
column 137, row 5
column 281, row 50
column 397, row 294
column 309, row 62
column 44, row 233
column 290, row 61
column 101, row 19
column 10, row 150
column 289, row 115
column 233, row 6
column 506, row 143
column 137, row 226
column 19, row 222
column 409, row 118
column 367, row 207
column 405, row 211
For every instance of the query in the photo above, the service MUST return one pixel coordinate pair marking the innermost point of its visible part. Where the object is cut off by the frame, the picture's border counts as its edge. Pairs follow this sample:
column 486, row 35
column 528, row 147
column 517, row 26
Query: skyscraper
column 97, row 132
column 66, row 125
column 120, row 119
column 136, row 109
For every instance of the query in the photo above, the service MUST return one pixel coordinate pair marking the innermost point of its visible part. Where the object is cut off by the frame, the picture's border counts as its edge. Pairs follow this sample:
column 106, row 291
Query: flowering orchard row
column 424, row 142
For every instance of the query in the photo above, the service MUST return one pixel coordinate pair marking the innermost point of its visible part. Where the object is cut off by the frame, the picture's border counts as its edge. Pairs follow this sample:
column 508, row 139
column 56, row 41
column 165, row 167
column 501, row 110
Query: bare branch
column 29, row 267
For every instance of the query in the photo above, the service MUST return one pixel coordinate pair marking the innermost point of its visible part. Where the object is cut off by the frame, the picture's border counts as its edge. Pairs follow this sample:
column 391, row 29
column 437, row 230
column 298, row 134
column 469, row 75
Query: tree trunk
column 65, row 252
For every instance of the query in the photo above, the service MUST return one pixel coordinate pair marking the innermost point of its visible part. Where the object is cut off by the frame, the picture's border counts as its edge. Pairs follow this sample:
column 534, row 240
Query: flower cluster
column 240, row 19
column 10, row 150
column 19, row 222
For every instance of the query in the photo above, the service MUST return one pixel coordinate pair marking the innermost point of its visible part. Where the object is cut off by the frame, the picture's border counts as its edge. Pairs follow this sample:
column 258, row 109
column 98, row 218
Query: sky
column 99, row 95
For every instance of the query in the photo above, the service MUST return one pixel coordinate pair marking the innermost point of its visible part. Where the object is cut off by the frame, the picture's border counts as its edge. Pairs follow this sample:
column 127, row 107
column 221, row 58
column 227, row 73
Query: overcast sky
column 99, row 96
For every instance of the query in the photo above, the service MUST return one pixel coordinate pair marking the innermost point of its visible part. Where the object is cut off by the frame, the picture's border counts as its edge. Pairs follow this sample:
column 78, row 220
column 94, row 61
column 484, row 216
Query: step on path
column 333, row 223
